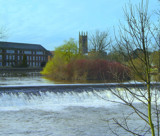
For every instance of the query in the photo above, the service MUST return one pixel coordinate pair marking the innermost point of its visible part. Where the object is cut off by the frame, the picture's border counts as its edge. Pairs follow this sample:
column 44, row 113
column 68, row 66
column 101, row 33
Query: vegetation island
column 96, row 62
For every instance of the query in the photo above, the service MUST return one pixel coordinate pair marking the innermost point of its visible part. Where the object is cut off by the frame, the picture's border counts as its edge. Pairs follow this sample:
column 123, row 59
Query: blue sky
column 50, row 22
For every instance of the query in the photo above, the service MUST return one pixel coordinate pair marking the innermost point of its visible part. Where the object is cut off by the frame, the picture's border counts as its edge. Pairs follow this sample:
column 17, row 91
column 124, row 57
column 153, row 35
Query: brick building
column 13, row 54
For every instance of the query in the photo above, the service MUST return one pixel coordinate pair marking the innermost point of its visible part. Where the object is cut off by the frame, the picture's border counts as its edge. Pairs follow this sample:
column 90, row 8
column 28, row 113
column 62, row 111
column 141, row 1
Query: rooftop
column 26, row 46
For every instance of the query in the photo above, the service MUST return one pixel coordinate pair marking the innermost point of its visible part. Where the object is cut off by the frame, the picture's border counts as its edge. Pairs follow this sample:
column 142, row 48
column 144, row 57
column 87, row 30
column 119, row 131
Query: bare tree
column 138, row 33
column 3, row 33
column 99, row 42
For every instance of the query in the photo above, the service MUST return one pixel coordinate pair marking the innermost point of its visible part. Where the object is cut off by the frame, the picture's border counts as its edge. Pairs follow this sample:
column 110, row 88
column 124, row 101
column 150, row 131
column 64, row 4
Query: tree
column 68, row 50
column 63, row 54
column 96, row 69
column 99, row 43
column 115, row 56
column 3, row 33
column 137, row 33
column 24, row 61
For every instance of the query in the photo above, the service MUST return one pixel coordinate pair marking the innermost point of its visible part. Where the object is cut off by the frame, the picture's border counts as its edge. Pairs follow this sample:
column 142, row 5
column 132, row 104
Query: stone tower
column 83, row 43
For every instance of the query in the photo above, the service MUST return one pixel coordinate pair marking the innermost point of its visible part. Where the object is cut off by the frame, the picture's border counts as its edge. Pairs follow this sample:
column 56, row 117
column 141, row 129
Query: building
column 15, row 54
column 83, row 43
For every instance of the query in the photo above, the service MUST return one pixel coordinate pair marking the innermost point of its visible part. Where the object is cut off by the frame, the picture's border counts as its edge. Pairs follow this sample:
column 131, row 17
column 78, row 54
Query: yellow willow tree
column 138, row 34
column 63, row 54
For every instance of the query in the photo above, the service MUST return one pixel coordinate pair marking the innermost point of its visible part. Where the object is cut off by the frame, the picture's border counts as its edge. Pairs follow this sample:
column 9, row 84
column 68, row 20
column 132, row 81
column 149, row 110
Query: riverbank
column 19, row 72
column 12, row 69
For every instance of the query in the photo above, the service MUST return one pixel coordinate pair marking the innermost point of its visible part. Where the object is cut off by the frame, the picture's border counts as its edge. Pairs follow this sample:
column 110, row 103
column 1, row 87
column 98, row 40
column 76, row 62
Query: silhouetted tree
column 99, row 43
column 137, row 33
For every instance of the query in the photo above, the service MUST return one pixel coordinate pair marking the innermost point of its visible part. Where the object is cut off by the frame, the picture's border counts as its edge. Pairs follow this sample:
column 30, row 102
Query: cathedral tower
column 83, row 43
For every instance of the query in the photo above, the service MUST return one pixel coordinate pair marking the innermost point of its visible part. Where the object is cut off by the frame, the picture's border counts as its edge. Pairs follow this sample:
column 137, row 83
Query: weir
column 58, row 109
column 70, row 87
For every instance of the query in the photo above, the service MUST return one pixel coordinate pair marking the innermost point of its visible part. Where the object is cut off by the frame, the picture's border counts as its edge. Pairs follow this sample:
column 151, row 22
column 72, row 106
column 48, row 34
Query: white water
column 50, row 101
column 61, row 114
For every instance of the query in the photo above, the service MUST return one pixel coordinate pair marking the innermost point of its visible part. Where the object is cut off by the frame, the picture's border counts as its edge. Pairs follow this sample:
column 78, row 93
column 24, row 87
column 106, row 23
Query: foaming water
column 54, row 101
column 85, row 113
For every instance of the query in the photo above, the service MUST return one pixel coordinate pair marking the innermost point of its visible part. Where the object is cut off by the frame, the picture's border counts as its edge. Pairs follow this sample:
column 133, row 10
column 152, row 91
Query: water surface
column 84, row 113
column 61, row 114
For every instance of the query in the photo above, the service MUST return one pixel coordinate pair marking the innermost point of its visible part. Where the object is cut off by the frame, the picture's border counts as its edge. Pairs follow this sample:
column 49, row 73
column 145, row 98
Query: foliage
column 68, row 65
column 155, row 58
column 116, row 56
column 67, row 51
column 138, row 69
column 56, row 67
column 24, row 61
column 97, row 69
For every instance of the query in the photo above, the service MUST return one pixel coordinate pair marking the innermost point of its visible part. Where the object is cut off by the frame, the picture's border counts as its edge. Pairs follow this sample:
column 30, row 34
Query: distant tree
column 3, row 33
column 43, row 64
column 63, row 54
column 116, row 56
column 155, row 58
column 24, row 61
column 99, row 43
column 96, row 69
column 68, row 50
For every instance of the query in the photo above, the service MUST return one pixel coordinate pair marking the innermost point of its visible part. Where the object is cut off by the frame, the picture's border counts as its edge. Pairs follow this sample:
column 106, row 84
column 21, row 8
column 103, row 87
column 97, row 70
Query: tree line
column 69, row 64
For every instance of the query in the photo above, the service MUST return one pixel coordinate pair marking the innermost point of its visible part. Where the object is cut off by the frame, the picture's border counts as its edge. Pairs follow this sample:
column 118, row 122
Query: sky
column 50, row 22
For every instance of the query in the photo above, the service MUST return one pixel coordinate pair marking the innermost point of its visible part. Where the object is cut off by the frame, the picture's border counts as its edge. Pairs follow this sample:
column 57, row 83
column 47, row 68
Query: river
column 70, row 113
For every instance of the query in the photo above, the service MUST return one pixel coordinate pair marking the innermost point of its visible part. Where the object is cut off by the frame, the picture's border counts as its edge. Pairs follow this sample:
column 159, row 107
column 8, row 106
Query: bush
column 96, row 70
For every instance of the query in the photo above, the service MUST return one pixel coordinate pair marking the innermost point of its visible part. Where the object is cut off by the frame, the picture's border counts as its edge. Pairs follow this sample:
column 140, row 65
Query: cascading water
column 54, row 101
column 61, row 113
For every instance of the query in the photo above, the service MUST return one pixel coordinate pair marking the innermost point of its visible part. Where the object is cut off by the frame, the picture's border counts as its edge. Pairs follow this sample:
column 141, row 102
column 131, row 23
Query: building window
column 33, row 63
column 27, row 58
column 0, row 57
column 33, row 57
column 39, row 58
column 10, row 51
column 13, row 57
column 6, row 63
column 0, row 63
column 0, row 51
column 10, row 57
column 27, row 52
column 18, row 51
column 36, row 57
column 18, row 57
column 6, row 57
column 39, row 52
